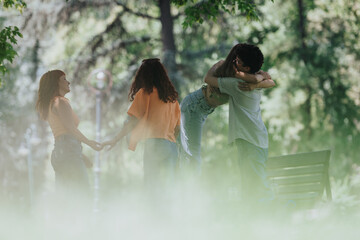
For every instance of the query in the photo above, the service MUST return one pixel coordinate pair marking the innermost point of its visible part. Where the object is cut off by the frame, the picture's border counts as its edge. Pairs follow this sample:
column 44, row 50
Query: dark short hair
column 251, row 56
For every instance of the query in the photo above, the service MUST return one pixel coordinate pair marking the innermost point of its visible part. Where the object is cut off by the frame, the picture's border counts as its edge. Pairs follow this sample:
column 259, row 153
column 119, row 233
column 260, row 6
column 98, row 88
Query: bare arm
column 247, row 77
column 64, row 111
column 209, row 77
column 267, row 83
column 129, row 125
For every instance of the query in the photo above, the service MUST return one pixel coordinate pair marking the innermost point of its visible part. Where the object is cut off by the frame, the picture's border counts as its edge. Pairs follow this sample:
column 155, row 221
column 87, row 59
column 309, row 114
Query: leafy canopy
column 8, row 36
column 195, row 12
column 198, row 11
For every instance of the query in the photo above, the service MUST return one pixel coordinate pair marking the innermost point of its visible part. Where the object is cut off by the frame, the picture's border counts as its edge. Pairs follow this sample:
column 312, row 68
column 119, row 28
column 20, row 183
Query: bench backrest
column 301, row 177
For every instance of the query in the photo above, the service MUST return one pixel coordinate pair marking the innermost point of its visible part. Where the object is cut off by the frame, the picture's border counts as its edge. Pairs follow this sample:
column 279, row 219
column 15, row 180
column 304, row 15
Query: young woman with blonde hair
column 53, row 107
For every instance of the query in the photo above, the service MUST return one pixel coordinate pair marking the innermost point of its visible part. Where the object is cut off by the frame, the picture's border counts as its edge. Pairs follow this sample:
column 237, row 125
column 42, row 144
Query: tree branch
column 121, row 44
column 92, row 59
column 222, row 48
column 178, row 15
column 139, row 14
column 74, row 6
column 99, row 38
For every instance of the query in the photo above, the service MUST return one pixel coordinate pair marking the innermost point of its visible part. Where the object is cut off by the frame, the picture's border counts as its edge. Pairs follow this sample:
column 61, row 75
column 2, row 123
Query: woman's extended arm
column 129, row 125
column 267, row 83
column 210, row 79
column 247, row 77
column 65, row 112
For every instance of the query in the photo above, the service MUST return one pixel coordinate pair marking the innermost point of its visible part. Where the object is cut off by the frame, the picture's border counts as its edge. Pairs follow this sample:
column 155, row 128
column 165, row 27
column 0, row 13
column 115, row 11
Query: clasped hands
column 99, row 146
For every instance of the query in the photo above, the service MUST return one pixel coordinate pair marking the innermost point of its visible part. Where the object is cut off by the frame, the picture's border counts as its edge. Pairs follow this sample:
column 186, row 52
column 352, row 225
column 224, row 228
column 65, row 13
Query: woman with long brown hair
column 53, row 107
column 154, row 116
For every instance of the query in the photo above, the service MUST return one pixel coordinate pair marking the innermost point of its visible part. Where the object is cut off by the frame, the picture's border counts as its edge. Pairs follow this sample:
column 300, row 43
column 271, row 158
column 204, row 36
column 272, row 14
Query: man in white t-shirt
column 246, row 127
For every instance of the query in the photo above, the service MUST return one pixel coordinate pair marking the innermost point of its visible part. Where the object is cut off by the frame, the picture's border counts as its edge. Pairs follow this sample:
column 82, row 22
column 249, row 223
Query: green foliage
column 198, row 11
column 17, row 4
column 319, row 107
column 8, row 36
column 314, row 106
column 7, row 40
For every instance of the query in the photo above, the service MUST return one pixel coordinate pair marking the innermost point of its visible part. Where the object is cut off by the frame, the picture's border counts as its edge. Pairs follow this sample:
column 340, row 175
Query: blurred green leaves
column 17, row 4
column 7, row 40
column 198, row 11
column 8, row 36
column 314, row 106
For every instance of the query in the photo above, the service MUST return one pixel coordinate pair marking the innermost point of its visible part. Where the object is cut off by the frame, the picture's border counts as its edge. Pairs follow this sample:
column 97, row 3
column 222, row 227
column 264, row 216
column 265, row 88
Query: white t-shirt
column 244, row 113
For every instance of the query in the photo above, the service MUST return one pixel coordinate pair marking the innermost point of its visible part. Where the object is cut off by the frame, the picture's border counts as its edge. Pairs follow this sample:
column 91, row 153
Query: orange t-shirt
column 157, row 119
column 56, row 125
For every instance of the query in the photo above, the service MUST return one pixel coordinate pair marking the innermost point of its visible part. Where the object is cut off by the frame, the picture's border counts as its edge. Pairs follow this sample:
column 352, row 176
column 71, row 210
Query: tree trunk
column 302, row 25
column 35, row 61
column 303, row 54
column 167, row 37
column 40, row 154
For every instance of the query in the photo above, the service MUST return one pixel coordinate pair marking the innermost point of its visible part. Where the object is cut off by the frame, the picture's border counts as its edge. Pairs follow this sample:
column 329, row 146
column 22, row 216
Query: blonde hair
column 48, row 89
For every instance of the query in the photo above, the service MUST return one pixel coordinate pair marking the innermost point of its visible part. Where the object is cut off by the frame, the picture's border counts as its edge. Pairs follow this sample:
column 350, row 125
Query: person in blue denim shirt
column 246, row 128
column 66, row 158
column 196, row 107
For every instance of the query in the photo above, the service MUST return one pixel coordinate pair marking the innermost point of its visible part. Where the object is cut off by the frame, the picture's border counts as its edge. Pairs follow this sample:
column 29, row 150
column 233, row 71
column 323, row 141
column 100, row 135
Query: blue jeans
column 252, row 162
column 160, row 158
column 70, row 170
column 194, row 111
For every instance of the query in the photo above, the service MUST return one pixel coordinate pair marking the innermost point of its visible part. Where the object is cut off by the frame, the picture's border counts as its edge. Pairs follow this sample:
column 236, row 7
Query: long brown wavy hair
column 250, row 55
column 151, row 74
column 48, row 89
